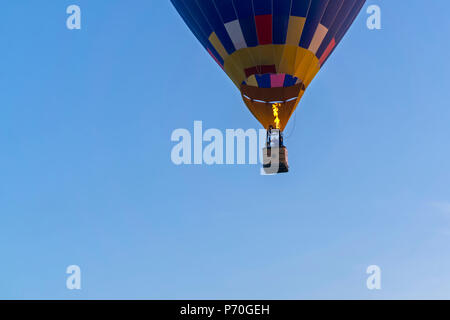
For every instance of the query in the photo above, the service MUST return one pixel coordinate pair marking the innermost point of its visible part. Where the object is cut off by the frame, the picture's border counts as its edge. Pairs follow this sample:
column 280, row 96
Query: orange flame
column 275, row 109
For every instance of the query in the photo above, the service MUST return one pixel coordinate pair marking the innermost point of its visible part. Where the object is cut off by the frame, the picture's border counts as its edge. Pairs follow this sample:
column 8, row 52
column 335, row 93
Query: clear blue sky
column 86, row 176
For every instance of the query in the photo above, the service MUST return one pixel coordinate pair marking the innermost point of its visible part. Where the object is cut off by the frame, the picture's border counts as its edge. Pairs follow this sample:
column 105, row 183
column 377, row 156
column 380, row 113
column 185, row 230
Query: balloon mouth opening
column 271, row 102
column 271, row 95
column 272, row 107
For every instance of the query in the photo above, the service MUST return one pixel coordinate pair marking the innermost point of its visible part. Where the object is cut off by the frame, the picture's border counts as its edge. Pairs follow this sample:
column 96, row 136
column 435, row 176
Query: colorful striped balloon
column 270, row 49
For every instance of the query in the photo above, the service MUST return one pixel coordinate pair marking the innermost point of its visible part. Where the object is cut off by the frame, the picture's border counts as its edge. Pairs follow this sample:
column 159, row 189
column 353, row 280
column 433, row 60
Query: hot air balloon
column 271, row 50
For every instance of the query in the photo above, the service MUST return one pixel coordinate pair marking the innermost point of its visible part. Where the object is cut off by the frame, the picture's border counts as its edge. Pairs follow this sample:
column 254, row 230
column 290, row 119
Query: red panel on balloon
column 264, row 28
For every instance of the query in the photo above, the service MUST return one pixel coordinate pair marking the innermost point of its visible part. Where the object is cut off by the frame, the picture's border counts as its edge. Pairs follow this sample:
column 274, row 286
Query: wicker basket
column 273, row 165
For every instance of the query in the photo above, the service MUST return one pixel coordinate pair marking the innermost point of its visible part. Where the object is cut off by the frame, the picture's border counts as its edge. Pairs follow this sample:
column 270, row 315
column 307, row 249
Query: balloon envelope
column 270, row 49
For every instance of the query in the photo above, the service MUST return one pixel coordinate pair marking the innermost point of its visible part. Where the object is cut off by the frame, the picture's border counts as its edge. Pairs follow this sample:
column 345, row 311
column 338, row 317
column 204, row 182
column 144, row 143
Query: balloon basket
column 275, row 160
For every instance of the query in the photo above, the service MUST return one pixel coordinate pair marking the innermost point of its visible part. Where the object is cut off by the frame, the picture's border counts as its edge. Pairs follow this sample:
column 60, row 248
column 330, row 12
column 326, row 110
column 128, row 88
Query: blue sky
column 86, row 176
